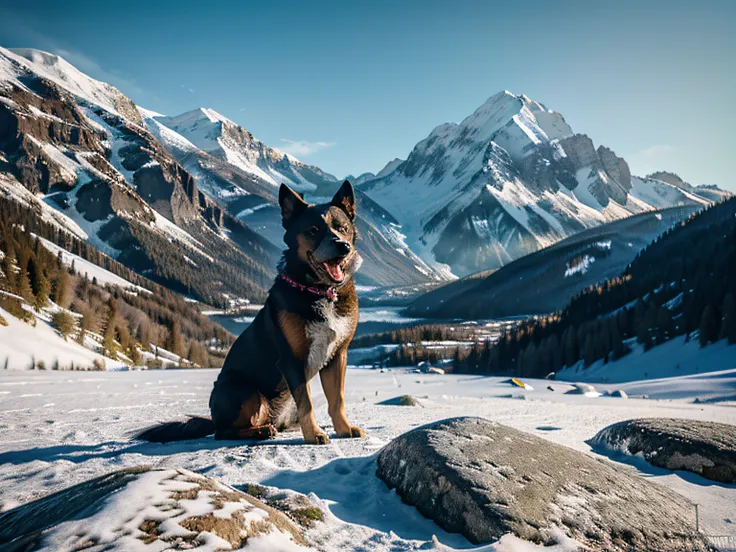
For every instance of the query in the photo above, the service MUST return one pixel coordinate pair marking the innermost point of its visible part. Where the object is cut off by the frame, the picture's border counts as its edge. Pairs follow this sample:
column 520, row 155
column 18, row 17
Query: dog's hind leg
column 240, row 413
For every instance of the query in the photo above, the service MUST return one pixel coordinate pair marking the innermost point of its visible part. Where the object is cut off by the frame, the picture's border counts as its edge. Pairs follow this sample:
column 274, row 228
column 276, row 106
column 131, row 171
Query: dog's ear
column 292, row 204
column 345, row 199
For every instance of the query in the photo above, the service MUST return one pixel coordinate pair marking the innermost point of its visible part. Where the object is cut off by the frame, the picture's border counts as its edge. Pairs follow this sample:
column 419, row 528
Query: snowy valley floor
column 61, row 428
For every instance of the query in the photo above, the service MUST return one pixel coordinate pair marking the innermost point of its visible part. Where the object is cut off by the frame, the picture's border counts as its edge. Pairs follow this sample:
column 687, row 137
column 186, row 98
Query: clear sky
column 348, row 86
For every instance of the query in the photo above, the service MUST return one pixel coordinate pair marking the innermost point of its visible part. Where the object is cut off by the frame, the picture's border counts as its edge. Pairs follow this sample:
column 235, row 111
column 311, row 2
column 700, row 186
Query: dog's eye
column 313, row 231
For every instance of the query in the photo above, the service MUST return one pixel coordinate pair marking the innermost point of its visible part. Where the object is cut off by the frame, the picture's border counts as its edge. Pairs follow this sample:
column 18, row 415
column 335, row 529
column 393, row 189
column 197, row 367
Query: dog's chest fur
column 325, row 336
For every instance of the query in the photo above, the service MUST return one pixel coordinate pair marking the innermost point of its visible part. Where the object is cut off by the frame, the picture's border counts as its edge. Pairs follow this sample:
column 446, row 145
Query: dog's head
column 320, row 238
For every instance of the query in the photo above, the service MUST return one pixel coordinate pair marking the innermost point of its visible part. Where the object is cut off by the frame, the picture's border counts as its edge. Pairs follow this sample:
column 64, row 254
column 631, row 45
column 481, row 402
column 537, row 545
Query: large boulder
column 170, row 509
column 483, row 479
column 705, row 448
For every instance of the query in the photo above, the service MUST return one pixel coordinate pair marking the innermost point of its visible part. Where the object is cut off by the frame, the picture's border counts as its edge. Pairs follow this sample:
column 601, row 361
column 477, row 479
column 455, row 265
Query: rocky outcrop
column 30, row 122
column 581, row 151
column 705, row 448
column 608, row 177
column 616, row 167
column 173, row 509
column 483, row 480
column 671, row 178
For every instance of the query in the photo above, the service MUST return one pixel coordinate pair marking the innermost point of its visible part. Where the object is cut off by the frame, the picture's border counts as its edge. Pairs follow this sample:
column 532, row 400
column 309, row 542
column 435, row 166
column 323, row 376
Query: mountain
column 75, row 150
column 365, row 177
column 546, row 280
column 510, row 179
column 242, row 174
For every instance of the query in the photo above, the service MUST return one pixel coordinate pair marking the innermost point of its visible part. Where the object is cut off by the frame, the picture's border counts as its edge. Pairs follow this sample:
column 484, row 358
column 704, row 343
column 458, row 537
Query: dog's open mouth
column 334, row 268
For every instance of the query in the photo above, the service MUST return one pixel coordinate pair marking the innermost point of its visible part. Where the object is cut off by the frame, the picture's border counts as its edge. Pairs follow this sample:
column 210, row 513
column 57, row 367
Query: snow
column 58, row 70
column 57, row 432
column 581, row 267
column 23, row 344
column 82, row 266
column 215, row 134
column 660, row 194
column 672, row 358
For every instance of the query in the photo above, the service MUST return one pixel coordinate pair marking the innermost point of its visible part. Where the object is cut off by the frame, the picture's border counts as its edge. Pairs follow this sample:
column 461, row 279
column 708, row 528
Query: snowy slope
column 671, row 359
column 509, row 179
column 23, row 345
column 82, row 158
column 92, row 271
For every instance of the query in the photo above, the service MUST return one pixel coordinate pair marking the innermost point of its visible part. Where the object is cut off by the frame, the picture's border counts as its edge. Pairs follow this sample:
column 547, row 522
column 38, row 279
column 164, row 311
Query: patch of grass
column 305, row 516
column 255, row 491
column 407, row 400
column 3, row 322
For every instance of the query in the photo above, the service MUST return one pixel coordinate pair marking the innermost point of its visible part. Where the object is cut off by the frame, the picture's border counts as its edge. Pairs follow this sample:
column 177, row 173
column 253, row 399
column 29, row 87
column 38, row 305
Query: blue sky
column 349, row 86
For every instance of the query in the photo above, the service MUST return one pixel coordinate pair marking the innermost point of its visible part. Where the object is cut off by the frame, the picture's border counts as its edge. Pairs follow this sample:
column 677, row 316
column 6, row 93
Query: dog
column 304, row 328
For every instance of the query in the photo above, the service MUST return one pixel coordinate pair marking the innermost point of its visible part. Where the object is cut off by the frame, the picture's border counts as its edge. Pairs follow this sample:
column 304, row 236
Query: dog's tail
column 195, row 427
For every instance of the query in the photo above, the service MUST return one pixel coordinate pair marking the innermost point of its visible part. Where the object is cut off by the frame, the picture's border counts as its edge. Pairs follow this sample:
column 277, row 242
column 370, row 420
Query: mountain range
column 190, row 200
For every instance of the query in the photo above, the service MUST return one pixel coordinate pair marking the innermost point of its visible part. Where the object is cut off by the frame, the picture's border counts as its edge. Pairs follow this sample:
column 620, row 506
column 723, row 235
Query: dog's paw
column 318, row 439
column 354, row 433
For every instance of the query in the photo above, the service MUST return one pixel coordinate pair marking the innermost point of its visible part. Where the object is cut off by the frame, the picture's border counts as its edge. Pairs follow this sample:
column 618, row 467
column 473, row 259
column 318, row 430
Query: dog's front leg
column 333, row 384
column 305, row 412
column 290, row 340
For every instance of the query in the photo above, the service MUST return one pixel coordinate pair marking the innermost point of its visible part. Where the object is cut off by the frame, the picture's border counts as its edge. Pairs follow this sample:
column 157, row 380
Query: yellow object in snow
column 521, row 384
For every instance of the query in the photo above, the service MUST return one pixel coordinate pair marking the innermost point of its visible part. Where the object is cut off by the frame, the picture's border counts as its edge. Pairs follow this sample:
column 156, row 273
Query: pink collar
column 330, row 293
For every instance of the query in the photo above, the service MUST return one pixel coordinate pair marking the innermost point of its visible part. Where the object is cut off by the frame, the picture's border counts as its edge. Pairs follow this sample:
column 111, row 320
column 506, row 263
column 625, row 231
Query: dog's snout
column 343, row 247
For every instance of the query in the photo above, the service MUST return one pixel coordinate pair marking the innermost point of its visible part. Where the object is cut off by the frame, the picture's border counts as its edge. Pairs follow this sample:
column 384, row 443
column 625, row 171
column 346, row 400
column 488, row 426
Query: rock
column 173, row 509
column 484, row 480
column 403, row 400
column 583, row 389
column 705, row 448
column 618, row 393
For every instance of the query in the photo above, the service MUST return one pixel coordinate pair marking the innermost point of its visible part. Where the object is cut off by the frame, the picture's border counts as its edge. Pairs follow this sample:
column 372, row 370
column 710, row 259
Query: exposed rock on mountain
column 545, row 280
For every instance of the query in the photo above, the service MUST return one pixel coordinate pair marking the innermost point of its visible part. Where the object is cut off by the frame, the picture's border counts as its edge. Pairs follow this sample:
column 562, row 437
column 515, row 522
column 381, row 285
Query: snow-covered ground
column 23, row 345
column 61, row 428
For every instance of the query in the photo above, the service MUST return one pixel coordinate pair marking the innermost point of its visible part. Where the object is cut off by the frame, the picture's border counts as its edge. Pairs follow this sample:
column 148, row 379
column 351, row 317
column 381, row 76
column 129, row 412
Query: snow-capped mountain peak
column 217, row 135
column 17, row 61
column 510, row 178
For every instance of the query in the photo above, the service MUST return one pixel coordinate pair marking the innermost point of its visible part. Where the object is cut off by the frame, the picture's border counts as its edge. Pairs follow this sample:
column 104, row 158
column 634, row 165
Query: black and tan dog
column 304, row 328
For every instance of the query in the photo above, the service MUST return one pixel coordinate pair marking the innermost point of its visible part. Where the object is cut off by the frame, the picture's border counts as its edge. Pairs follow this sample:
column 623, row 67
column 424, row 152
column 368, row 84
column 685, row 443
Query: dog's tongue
column 335, row 271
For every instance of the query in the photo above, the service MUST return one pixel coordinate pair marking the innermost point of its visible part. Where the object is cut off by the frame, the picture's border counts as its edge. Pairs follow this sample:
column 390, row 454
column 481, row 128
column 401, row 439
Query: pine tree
column 39, row 284
column 728, row 323
column 23, row 287
column 175, row 341
column 63, row 289
column 64, row 322
column 708, row 326
column 589, row 350
column 108, row 337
